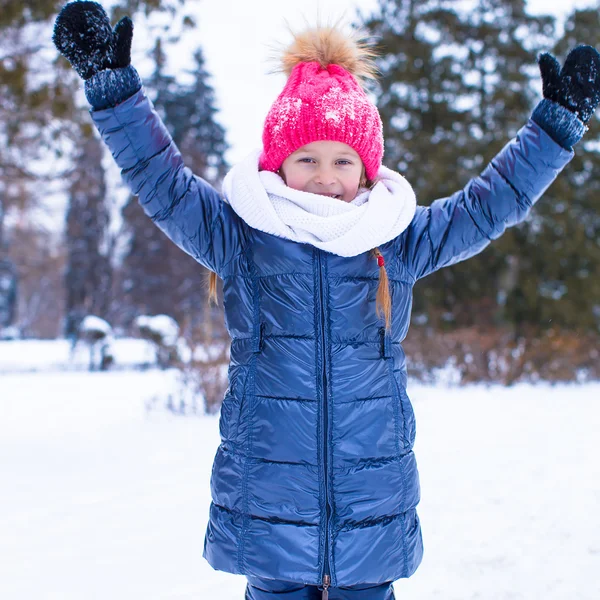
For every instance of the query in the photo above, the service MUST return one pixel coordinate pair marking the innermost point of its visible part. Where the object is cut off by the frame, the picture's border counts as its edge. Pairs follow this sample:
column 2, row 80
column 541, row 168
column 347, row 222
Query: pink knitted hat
column 323, row 100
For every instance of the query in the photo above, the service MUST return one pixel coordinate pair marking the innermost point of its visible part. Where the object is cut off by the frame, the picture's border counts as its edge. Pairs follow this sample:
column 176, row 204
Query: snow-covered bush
column 96, row 333
column 199, row 384
column 8, row 291
column 163, row 332
column 201, row 377
column 10, row 333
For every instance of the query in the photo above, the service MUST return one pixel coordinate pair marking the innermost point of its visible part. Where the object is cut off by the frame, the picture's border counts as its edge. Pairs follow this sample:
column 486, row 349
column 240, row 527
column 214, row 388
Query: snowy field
column 103, row 498
column 21, row 356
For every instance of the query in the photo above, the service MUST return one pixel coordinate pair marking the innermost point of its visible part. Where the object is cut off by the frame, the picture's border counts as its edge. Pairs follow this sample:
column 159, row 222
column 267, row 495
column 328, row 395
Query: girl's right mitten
column 83, row 35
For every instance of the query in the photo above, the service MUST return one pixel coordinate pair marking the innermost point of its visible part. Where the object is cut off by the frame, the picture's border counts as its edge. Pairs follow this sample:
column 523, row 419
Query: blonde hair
column 212, row 289
column 383, row 302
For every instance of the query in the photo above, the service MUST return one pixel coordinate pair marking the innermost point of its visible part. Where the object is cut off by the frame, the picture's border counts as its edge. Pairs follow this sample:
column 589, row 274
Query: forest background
column 458, row 80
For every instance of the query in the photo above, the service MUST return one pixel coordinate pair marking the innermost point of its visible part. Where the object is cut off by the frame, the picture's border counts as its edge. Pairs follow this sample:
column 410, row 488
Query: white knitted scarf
column 374, row 217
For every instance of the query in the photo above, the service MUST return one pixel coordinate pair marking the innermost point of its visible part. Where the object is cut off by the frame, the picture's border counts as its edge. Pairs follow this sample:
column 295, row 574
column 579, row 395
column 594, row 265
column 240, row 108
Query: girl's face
column 326, row 168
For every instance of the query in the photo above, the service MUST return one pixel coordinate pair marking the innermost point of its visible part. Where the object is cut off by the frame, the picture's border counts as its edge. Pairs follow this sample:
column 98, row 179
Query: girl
column 315, row 485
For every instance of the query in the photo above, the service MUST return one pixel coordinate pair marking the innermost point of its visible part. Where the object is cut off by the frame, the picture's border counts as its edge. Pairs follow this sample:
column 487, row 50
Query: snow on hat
column 324, row 100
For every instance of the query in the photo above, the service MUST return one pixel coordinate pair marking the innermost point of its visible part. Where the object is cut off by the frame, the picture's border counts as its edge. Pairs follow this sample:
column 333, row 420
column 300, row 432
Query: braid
column 383, row 304
column 212, row 289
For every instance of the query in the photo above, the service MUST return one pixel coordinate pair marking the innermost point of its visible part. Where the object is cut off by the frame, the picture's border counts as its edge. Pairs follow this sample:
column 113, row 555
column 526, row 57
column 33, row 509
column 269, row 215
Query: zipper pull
column 326, row 582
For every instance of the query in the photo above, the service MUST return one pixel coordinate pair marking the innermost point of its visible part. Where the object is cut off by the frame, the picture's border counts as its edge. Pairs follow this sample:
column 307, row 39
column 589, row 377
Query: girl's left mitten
column 575, row 86
column 83, row 35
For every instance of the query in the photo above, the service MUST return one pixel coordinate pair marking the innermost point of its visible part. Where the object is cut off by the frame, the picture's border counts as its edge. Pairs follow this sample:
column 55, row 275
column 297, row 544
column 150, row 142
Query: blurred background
column 458, row 79
column 108, row 345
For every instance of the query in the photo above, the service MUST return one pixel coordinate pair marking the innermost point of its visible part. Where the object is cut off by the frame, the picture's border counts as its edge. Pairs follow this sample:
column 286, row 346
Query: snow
column 51, row 355
column 105, row 493
column 163, row 325
column 95, row 324
column 10, row 333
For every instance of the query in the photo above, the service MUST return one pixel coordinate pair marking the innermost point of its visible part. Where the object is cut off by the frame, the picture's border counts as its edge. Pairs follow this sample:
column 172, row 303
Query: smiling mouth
column 338, row 196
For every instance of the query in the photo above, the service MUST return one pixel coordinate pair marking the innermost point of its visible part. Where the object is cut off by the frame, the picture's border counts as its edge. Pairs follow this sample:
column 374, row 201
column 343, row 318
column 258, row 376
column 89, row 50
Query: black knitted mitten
column 577, row 85
column 83, row 35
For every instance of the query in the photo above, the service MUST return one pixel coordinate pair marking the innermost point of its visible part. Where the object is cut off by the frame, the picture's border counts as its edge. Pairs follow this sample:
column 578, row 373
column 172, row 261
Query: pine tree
column 195, row 131
column 158, row 277
column 559, row 284
column 88, row 273
column 503, row 43
column 417, row 90
column 455, row 87
column 36, row 100
column 39, row 118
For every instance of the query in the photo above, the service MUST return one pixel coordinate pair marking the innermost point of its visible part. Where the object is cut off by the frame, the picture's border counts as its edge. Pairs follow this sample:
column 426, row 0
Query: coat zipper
column 326, row 576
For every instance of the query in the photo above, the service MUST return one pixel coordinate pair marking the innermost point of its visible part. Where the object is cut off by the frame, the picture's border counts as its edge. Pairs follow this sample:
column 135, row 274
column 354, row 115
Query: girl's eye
column 344, row 162
column 306, row 160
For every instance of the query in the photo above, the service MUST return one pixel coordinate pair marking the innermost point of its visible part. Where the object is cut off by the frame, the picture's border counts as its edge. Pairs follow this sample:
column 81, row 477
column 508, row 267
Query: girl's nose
column 325, row 176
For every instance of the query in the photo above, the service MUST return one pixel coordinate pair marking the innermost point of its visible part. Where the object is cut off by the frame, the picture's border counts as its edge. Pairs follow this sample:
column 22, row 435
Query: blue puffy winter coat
column 315, row 474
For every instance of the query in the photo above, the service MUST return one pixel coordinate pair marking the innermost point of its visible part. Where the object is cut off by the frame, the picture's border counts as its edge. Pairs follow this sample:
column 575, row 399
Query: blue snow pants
column 269, row 589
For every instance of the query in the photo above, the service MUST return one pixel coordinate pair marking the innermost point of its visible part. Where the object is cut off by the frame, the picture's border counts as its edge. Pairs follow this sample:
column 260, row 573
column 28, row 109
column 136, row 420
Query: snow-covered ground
column 102, row 498
column 51, row 355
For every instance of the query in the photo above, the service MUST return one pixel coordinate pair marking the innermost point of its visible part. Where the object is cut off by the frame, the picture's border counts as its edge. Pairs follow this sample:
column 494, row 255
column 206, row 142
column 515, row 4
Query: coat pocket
column 229, row 422
column 232, row 406
column 225, row 417
column 236, row 417
column 238, row 402
column 408, row 417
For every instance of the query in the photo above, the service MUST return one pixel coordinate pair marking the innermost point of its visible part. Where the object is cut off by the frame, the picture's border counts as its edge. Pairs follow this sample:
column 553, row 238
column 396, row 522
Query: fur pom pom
column 330, row 46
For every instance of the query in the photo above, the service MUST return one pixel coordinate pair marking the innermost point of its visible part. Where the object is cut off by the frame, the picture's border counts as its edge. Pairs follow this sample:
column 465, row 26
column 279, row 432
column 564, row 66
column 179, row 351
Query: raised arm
column 456, row 228
column 187, row 208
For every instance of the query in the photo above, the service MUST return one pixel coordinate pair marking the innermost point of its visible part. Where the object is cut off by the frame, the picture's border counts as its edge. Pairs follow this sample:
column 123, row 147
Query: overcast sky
column 237, row 38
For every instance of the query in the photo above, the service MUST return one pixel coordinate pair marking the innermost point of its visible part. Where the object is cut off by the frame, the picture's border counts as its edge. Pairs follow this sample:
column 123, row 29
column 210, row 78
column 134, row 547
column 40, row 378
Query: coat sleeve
column 456, row 228
column 187, row 208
